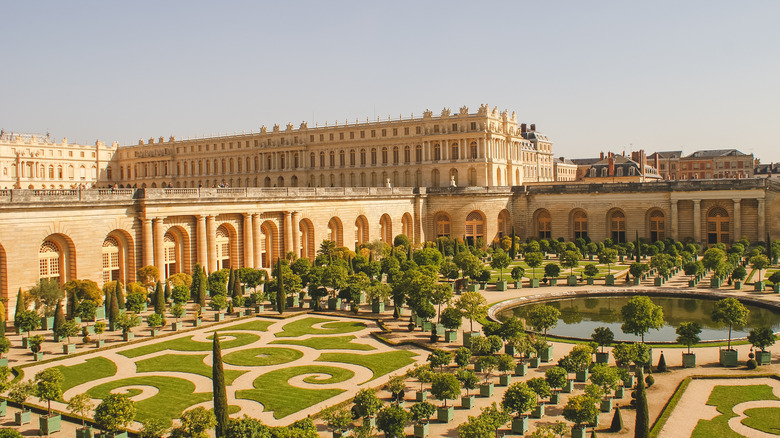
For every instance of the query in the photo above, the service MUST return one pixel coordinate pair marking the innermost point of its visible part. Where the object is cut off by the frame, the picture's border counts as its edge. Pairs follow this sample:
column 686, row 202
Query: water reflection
column 580, row 316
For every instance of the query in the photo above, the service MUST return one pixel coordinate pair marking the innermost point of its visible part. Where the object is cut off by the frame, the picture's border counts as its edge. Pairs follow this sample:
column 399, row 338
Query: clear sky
column 622, row 75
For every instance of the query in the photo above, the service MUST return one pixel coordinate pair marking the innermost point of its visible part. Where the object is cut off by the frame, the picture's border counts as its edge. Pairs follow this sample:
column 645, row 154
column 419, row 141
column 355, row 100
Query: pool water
column 581, row 315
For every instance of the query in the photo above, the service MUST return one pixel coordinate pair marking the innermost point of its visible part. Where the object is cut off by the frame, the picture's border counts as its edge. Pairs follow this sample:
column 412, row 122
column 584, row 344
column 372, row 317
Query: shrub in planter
column 761, row 338
column 519, row 399
column 421, row 414
column 751, row 364
column 688, row 335
column 469, row 381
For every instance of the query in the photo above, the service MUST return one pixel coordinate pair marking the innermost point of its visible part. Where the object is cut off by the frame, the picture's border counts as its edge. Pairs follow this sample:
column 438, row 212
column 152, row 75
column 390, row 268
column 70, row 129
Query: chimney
column 601, row 155
column 533, row 126
column 611, row 166
column 523, row 127
column 656, row 161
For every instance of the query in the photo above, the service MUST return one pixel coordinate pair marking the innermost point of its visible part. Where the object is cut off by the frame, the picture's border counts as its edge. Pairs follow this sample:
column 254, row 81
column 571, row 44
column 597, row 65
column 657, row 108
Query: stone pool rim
column 567, row 294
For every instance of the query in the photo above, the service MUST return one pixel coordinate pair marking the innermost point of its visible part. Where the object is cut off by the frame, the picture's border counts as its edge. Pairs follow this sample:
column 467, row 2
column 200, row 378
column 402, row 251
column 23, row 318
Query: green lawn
column 182, row 363
column 327, row 343
column 91, row 369
column 255, row 357
column 614, row 268
column 187, row 344
column 379, row 363
column 305, row 327
column 272, row 390
column 255, row 325
column 724, row 398
column 763, row 419
column 174, row 396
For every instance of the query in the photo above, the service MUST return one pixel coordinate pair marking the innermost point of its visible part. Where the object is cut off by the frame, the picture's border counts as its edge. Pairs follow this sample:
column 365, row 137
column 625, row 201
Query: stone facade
column 104, row 234
column 704, row 164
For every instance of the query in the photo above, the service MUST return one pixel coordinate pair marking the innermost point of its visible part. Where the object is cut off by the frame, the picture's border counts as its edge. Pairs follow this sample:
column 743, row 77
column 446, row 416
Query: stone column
column 738, row 220
column 257, row 233
column 761, row 219
column 202, row 246
column 697, row 236
column 159, row 249
column 249, row 247
column 296, row 233
column 674, row 219
column 287, row 234
column 146, row 231
column 211, row 242
column 419, row 229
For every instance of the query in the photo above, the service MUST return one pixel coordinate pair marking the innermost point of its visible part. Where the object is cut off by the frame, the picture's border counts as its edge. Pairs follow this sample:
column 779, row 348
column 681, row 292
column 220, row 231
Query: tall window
column 223, row 248
column 169, row 253
column 407, row 154
column 580, row 225
column 386, row 229
column 384, row 155
column 657, row 226
column 717, row 226
column 442, row 225
column 475, row 227
column 418, row 153
column 395, row 155
column 110, row 260
column 473, row 150
column 544, row 224
column 437, row 152
column 504, row 224
column 617, row 227
column 455, row 151
column 49, row 257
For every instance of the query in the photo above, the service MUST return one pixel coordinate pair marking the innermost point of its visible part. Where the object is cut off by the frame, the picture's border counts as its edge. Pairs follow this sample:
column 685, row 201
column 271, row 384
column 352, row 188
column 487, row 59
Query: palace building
column 245, row 200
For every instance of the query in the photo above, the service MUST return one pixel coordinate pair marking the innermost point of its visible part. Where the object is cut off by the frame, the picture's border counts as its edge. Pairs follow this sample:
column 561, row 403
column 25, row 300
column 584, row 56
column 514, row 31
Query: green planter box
column 520, row 425
column 602, row 357
column 445, row 414
column 571, row 280
column 637, row 281
column 509, row 349
column 467, row 336
column 630, row 382
column 426, row 326
column 112, row 435
column 609, row 280
column 68, row 348
column 763, row 357
column 521, row 369
column 49, row 424
column 219, row 316
column 334, row 303
column 468, row 402
column 776, row 288
column 546, row 354
column 486, row 390
column 737, row 285
column 128, row 336
column 759, row 286
column 197, row 322
column 553, row 282
column 482, row 285
column 421, row 430
column 450, row 335
column 534, row 283
column 3, row 408
column 590, row 281
column 555, row 398
column 24, row 342
column 100, row 313
column 377, row 307
column 292, row 301
column 176, row 326
column 47, row 323
column 259, row 308
column 84, row 432
column 501, row 285
column 658, row 281
column 568, row 387
column 154, row 332
column 582, row 376
column 689, row 360
column 606, row 405
column 578, row 432
column 729, row 358
column 37, row 357
column 691, row 283
column 504, row 379
column 421, row 396
column 472, row 287
column 238, row 313
column 99, row 343
column 519, row 284
column 715, row 283
column 22, row 417
column 538, row 411
column 620, row 392
column 534, row 362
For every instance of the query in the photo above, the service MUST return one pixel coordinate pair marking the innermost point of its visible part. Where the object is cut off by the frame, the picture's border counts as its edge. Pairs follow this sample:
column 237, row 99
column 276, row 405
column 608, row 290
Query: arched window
column 169, row 254
column 592, row 172
column 619, row 171
column 223, row 247
column 504, row 224
column 386, row 229
column 332, row 159
column 407, row 154
column 322, row 159
column 384, row 155
column 455, row 152
column 442, row 221
column 407, row 228
column 361, row 230
column 544, row 224
column 373, row 156
column 617, row 226
column 580, row 225
column 473, row 148
column 395, row 155
column 336, row 231
column 342, row 161
column 435, row 178
column 312, row 160
column 49, row 258
column 437, row 152
column 717, row 226
column 111, row 267
column 475, row 227
column 362, row 157
column 657, row 226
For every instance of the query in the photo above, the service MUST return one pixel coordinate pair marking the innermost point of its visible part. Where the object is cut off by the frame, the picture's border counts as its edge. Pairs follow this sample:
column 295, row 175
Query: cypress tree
column 409, row 252
column 59, row 316
column 114, row 313
column 20, row 307
column 159, row 299
column 512, row 252
column 236, row 291
column 231, row 280
column 167, row 291
column 70, row 309
column 642, row 427
column 202, row 288
column 220, row 393
column 195, row 286
column 281, row 299
column 107, row 303
column 457, row 247
column 120, row 296
column 617, row 421
column 637, row 249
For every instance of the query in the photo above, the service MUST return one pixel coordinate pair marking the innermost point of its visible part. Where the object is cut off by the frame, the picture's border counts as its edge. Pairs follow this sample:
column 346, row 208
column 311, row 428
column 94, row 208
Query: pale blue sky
column 592, row 75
